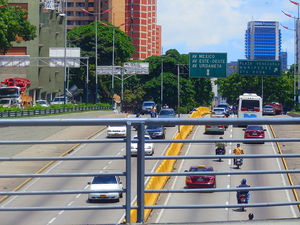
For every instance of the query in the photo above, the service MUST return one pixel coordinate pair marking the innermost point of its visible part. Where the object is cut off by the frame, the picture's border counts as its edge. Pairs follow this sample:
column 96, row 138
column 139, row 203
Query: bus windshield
column 250, row 105
column 9, row 92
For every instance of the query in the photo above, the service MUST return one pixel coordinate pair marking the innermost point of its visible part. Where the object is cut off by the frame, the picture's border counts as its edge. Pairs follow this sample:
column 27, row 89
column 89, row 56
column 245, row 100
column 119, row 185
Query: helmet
column 243, row 181
column 238, row 145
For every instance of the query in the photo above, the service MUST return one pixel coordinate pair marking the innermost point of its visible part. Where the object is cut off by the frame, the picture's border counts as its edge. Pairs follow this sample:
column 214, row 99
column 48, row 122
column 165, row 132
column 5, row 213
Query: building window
column 80, row 4
column 70, row 4
column 91, row 4
column 70, row 22
column 79, row 13
column 70, row 13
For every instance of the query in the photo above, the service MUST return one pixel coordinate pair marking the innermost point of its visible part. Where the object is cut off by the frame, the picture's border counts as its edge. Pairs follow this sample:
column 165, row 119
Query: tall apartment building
column 139, row 17
column 141, row 26
column 263, row 40
column 45, row 82
column 76, row 17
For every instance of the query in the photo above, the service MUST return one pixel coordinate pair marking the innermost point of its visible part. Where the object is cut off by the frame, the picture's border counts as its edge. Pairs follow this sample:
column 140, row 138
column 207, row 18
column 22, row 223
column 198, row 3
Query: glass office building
column 263, row 40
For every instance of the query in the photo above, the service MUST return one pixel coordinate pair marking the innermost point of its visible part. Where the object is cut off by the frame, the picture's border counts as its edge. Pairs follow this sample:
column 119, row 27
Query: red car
column 200, row 181
column 255, row 131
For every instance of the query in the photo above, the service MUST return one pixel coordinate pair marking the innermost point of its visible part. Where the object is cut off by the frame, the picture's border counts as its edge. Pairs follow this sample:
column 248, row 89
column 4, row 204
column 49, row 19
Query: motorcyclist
column 153, row 111
column 244, row 192
column 237, row 151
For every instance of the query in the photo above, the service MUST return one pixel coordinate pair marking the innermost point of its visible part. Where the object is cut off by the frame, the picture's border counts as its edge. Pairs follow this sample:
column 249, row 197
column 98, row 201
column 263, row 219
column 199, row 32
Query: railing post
column 140, row 173
column 128, row 173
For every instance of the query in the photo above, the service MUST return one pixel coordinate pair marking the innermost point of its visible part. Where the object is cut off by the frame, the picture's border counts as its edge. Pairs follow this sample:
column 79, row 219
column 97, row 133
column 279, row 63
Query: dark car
column 156, row 131
column 200, row 181
column 255, row 131
column 167, row 113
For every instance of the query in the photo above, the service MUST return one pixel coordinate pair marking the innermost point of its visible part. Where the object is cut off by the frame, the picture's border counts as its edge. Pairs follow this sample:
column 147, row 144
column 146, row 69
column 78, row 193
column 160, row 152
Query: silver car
column 103, row 183
column 269, row 110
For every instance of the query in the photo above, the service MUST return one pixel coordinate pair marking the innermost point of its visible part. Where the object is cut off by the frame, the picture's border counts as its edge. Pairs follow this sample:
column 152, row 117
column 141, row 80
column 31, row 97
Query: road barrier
column 146, row 196
column 158, row 182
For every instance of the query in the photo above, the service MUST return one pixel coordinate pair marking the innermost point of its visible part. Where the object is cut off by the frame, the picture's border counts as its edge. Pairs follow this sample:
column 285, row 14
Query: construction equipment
column 13, row 94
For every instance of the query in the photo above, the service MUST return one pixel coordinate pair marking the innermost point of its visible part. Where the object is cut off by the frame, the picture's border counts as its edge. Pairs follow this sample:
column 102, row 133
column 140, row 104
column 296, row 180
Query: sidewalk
column 43, row 133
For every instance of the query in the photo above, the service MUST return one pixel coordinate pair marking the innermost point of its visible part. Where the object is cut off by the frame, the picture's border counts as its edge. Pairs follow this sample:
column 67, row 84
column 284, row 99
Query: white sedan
column 149, row 147
column 116, row 131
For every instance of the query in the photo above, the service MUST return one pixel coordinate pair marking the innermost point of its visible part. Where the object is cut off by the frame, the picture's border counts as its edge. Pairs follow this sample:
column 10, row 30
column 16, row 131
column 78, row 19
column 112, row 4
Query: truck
column 277, row 106
column 12, row 93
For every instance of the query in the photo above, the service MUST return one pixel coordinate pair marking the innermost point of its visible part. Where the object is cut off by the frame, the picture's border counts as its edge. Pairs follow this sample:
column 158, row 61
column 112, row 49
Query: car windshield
column 223, row 106
column 41, row 102
column 153, row 127
column 268, row 107
column 149, row 104
column 104, row 180
column 218, row 110
column 197, row 169
column 166, row 112
column 58, row 99
column 4, row 101
column 254, row 128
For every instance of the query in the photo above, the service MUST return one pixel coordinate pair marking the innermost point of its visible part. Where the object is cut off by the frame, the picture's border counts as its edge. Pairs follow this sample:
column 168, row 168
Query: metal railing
column 140, row 207
column 49, row 111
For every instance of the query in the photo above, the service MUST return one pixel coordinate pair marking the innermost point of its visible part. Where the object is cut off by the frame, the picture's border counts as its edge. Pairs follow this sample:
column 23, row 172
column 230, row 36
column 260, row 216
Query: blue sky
column 219, row 25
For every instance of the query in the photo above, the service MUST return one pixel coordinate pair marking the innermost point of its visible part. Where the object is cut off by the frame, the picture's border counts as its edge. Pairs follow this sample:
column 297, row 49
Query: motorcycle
column 220, row 151
column 242, row 199
column 238, row 162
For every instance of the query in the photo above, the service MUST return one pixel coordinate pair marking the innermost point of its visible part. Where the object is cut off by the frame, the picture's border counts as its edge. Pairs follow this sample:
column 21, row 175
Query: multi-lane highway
column 157, row 216
column 226, row 181
column 77, row 217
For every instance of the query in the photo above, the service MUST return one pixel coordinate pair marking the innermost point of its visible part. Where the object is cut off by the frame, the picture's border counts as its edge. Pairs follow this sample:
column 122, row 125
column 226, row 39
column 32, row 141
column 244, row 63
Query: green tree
column 274, row 88
column 13, row 24
column 84, row 37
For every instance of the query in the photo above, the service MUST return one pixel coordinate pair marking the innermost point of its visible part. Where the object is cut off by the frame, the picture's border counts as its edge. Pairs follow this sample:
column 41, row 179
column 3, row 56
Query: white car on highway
column 116, row 131
column 103, row 183
column 149, row 147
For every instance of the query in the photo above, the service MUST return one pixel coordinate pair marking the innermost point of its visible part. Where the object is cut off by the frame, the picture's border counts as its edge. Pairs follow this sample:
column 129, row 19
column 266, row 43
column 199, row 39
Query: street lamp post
column 296, row 56
column 113, row 54
column 162, row 79
column 96, row 44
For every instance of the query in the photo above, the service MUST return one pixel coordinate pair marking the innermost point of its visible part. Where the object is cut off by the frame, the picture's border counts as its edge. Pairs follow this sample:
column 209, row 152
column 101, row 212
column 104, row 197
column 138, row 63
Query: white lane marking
column 110, row 162
column 52, row 220
column 175, row 180
column 61, row 212
column 105, row 167
column 154, row 167
column 77, row 196
column 226, row 204
column 52, row 167
column 228, row 186
column 70, row 203
column 282, row 177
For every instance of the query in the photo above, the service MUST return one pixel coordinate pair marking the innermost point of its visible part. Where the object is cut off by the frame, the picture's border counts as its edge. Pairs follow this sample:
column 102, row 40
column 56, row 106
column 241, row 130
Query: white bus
column 249, row 106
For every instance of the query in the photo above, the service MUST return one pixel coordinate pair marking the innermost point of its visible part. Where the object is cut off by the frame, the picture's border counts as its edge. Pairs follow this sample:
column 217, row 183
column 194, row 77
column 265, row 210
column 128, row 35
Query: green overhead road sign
column 259, row 67
column 207, row 65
